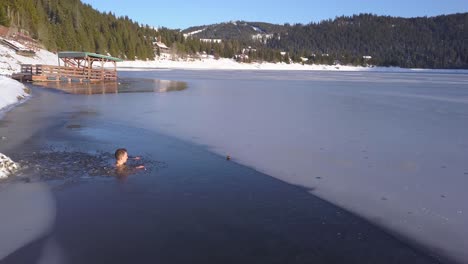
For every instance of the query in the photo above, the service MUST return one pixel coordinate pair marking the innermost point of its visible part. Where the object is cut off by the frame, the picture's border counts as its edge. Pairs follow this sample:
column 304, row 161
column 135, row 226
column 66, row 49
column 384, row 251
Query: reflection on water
column 127, row 85
column 150, row 85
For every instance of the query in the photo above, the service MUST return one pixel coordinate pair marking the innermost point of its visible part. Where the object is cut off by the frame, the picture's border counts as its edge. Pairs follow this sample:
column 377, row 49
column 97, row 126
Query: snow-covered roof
column 194, row 32
column 15, row 44
column 161, row 45
column 211, row 40
column 80, row 54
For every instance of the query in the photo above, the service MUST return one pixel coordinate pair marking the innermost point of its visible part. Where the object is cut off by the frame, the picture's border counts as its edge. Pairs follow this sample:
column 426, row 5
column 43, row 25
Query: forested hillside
column 435, row 42
column 72, row 25
column 426, row 42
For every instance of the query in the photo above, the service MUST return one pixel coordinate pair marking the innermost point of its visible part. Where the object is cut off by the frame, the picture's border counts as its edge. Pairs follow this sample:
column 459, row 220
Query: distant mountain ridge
column 239, row 30
column 421, row 42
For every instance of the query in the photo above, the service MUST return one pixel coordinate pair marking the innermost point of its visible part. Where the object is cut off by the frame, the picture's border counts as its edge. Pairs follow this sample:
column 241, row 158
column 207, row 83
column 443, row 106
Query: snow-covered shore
column 230, row 64
column 11, row 92
column 10, row 62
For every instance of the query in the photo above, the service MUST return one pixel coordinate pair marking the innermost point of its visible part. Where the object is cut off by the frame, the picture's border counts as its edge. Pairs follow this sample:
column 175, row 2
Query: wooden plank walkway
column 52, row 73
column 17, row 47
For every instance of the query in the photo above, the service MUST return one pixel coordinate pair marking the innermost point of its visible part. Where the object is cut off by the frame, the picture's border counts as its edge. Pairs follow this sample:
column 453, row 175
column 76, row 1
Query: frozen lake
column 391, row 147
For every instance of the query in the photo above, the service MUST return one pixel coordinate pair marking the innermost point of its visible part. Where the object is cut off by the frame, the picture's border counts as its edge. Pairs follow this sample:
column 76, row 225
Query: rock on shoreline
column 7, row 166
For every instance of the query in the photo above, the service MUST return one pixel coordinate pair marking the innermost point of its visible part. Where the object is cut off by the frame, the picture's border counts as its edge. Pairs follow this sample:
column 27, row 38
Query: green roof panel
column 79, row 54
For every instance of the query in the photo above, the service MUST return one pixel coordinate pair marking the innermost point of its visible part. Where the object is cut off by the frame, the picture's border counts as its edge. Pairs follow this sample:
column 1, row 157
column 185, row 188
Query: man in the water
column 121, row 157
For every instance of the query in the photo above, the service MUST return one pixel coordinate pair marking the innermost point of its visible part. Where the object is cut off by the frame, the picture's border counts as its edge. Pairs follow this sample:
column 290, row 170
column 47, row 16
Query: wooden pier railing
column 47, row 72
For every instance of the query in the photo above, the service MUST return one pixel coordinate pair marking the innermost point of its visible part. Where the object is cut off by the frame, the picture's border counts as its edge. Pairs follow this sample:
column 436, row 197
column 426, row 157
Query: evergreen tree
column 4, row 21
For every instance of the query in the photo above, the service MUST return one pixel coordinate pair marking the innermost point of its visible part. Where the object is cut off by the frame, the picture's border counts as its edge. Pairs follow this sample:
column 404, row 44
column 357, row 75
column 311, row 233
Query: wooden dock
column 78, row 68
column 49, row 73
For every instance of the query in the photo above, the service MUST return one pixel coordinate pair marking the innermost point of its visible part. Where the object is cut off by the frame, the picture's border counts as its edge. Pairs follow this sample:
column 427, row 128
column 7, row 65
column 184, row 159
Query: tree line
column 425, row 42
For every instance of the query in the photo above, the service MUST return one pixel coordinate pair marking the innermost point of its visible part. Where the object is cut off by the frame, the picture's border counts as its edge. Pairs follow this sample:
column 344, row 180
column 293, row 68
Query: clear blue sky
column 183, row 14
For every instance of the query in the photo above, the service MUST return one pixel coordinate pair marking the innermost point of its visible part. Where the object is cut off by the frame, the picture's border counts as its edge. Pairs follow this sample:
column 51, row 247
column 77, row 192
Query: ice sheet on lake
column 390, row 147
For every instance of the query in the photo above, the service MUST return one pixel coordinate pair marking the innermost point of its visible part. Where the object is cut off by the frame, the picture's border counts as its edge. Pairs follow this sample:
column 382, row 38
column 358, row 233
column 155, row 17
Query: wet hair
column 119, row 153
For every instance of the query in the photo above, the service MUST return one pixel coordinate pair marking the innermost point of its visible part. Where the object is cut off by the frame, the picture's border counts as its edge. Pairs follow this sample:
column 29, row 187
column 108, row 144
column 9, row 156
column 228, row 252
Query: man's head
column 121, row 156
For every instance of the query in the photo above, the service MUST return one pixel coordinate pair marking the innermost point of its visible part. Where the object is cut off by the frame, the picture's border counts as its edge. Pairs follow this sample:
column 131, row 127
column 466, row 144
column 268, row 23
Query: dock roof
column 79, row 54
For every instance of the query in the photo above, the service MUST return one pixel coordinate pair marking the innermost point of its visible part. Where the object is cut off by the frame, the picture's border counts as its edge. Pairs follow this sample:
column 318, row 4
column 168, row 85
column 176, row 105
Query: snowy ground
column 11, row 93
column 10, row 62
column 229, row 64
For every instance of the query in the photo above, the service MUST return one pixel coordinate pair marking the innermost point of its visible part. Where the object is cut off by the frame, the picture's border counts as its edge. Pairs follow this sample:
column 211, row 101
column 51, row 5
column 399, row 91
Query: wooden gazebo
column 77, row 67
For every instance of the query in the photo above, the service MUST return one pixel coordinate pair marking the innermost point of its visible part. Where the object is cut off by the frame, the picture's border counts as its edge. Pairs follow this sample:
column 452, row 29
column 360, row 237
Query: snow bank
column 11, row 92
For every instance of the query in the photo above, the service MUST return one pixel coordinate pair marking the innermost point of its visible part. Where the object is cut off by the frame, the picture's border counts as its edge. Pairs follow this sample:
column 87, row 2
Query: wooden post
column 115, row 70
column 90, row 65
column 102, row 69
